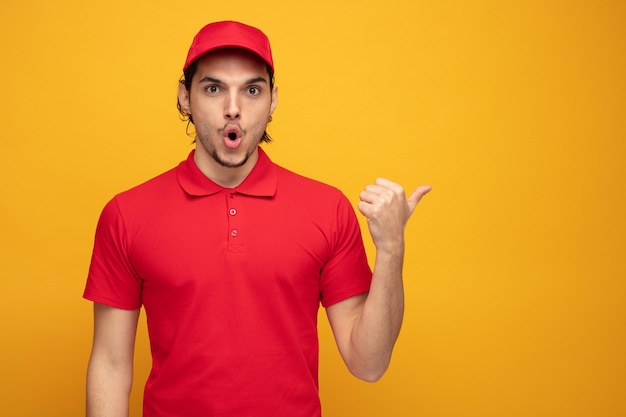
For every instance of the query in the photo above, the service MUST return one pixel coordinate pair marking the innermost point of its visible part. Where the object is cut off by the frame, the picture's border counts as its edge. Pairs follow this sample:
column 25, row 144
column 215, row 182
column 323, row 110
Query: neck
column 226, row 176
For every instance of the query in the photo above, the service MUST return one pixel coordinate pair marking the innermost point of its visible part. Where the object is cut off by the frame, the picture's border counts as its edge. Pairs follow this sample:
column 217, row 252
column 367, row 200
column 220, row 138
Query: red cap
column 229, row 34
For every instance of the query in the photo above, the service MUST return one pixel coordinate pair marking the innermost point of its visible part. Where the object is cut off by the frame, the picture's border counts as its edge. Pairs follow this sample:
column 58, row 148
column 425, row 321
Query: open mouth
column 232, row 136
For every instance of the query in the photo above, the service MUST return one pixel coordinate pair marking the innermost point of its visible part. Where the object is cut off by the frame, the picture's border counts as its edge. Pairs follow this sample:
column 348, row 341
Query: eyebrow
column 257, row 80
column 217, row 81
column 210, row 80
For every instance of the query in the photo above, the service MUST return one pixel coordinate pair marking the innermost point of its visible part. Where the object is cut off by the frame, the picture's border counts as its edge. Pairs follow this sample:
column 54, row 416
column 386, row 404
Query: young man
column 231, row 255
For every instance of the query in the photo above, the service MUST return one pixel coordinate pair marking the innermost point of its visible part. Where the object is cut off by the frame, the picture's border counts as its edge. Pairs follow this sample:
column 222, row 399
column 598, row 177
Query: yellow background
column 513, row 111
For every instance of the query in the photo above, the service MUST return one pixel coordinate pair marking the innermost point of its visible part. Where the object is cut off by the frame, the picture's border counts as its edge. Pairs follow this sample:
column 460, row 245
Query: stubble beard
column 228, row 164
column 213, row 153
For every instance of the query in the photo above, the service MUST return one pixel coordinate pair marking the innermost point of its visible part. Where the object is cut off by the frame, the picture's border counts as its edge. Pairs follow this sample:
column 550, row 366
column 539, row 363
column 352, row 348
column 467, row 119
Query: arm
column 366, row 326
column 110, row 371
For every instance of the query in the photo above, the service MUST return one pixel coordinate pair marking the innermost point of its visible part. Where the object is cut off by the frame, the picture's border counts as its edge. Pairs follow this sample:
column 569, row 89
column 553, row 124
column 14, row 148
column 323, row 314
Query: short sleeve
column 347, row 273
column 112, row 280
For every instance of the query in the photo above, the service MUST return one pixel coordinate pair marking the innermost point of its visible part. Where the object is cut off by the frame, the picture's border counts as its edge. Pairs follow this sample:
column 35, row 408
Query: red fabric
column 229, row 34
column 232, row 317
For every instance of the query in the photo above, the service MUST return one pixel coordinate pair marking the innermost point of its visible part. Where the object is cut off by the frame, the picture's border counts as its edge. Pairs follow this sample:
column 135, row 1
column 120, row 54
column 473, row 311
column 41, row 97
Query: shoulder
column 151, row 190
column 129, row 211
column 141, row 200
column 310, row 187
column 312, row 198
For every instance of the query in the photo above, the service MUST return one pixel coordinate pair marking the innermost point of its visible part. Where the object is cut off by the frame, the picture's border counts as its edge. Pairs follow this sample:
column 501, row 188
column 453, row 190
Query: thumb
column 417, row 195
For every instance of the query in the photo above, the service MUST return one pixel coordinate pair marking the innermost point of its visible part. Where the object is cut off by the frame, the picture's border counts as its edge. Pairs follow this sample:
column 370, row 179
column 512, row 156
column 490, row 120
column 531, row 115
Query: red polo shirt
column 231, row 280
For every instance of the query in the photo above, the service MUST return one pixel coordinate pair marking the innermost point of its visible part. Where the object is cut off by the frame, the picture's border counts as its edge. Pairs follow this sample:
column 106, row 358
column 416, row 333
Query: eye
column 254, row 91
column 212, row 89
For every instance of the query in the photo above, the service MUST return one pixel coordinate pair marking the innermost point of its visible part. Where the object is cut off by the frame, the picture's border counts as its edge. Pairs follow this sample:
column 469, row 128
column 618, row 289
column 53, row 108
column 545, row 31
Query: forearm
column 367, row 328
column 108, row 388
column 376, row 329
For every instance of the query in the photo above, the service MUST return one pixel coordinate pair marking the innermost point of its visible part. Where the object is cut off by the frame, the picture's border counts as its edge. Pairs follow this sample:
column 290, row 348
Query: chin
column 231, row 162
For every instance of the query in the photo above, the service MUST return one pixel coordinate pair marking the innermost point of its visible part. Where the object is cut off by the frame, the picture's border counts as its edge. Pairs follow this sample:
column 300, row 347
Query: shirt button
column 233, row 232
column 232, row 212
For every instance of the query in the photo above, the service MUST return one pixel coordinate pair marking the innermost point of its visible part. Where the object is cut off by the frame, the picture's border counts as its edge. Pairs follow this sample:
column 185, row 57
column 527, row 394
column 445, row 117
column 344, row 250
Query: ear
column 274, row 101
column 183, row 98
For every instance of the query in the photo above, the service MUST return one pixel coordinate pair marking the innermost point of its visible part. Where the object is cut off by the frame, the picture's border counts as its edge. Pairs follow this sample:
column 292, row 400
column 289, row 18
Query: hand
column 388, row 210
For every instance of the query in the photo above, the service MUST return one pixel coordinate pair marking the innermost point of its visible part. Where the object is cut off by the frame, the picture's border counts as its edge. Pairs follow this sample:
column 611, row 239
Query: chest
column 230, row 244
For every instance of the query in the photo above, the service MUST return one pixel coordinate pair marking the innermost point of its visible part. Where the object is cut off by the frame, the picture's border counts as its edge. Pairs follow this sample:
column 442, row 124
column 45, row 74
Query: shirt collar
column 261, row 182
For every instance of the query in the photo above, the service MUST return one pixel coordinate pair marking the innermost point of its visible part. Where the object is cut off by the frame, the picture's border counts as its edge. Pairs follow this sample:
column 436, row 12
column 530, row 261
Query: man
column 231, row 255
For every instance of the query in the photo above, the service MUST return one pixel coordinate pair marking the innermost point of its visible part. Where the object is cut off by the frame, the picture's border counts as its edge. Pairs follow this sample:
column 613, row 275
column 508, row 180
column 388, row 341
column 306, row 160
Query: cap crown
column 229, row 34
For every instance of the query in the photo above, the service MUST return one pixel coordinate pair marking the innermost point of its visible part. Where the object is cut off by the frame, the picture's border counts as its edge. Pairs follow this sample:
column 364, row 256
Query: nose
column 231, row 107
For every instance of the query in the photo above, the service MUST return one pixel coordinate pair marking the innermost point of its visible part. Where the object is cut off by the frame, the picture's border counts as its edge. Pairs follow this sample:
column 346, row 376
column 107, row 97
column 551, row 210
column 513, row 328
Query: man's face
column 230, row 101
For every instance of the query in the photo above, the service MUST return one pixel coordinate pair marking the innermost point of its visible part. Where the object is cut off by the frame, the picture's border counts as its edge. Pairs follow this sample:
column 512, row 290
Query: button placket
column 233, row 224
